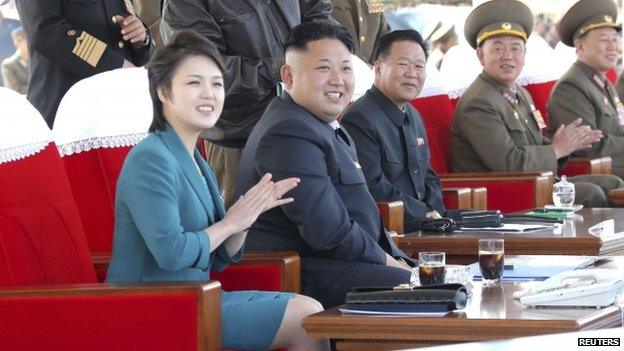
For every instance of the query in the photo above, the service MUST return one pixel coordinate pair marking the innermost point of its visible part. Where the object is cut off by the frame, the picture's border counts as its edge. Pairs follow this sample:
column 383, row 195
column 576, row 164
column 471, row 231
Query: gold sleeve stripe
column 89, row 48
column 84, row 45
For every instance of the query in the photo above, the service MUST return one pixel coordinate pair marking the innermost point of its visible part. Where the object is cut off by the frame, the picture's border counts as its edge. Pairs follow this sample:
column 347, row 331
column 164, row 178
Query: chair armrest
column 585, row 165
column 479, row 198
column 455, row 198
column 507, row 191
column 617, row 196
column 607, row 164
column 111, row 317
column 393, row 216
column 274, row 271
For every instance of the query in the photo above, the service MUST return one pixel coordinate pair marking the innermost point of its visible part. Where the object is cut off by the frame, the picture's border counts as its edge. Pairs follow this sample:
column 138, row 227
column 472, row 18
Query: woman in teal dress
column 170, row 223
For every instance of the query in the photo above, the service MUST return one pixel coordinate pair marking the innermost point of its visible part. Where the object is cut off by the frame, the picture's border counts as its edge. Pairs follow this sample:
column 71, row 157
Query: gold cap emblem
column 506, row 25
column 608, row 18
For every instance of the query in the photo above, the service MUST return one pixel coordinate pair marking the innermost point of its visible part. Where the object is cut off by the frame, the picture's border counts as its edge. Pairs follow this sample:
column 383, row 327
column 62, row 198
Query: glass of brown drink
column 431, row 268
column 491, row 260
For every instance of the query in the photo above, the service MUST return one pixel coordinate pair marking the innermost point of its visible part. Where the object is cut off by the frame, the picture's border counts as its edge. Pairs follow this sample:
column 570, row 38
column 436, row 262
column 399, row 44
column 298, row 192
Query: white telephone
column 595, row 287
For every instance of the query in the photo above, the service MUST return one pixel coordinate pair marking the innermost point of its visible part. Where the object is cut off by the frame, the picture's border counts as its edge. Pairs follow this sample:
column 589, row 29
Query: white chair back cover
column 459, row 69
column 23, row 132
column 364, row 77
column 110, row 109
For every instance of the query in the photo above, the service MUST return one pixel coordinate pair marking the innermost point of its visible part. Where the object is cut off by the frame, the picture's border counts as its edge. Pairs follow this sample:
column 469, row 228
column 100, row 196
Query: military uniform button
column 362, row 38
column 114, row 20
column 120, row 44
column 361, row 19
column 71, row 32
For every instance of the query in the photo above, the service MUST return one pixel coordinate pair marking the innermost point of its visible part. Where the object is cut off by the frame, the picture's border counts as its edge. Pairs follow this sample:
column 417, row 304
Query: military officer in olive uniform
column 73, row 39
column 365, row 24
column 496, row 126
column 584, row 91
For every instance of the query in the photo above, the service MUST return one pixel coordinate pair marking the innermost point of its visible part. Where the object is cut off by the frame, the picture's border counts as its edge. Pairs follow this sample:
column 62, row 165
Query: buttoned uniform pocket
column 349, row 175
column 517, row 132
column 609, row 120
column 391, row 162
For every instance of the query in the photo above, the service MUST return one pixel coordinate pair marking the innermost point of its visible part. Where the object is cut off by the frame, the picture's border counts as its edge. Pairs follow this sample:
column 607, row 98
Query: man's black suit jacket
column 393, row 150
column 333, row 215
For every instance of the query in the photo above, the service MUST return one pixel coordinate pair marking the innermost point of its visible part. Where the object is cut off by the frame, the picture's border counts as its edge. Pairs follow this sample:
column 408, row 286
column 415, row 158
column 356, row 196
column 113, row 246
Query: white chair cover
column 110, row 109
column 23, row 132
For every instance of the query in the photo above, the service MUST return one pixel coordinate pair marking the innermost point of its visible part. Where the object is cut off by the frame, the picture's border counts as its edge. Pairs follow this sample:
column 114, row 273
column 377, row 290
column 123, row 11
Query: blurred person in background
column 15, row 68
column 364, row 23
column 7, row 25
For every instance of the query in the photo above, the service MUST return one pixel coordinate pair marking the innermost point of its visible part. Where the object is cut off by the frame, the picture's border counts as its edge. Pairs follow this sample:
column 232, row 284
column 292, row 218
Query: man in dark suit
column 389, row 133
column 73, row 39
column 333, row 223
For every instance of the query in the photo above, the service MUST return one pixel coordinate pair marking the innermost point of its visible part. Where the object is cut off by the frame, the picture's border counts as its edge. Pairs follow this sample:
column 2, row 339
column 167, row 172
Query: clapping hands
column 263, row 196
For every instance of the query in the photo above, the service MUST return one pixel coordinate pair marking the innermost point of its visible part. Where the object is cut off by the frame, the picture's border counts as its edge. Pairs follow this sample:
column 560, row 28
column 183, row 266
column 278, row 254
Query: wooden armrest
column 290, row 266
column 392, row 215
column 586, row 165
column 461, row 197
column 617, row 196
column 479, row 198
column 498, row 184
column 288, row 261
column 493, row 175
column 27, row 308
column 607, row 164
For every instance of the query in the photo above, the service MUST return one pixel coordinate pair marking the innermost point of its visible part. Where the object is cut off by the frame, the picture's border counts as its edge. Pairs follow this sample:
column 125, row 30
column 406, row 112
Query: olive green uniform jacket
column 364, row 27
column 489, row 134
column 577, row 95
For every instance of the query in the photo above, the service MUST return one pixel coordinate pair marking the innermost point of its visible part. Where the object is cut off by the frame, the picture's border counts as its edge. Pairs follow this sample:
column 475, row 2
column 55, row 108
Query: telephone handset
column 595, row 287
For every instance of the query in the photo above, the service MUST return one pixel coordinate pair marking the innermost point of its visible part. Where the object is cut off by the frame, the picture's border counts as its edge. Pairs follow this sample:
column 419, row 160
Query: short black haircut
column 164, row 63
column 382, row 49
column 307, row 32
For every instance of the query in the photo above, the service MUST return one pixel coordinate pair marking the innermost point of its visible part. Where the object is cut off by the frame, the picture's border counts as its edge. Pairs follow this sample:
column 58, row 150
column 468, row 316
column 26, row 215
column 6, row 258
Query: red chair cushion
column 93, row 176
column 139, row 322
column 507, row 196
column 41, row 238
column 250, row 277
column 437, row 113
column 574, row 169
column 540, row 93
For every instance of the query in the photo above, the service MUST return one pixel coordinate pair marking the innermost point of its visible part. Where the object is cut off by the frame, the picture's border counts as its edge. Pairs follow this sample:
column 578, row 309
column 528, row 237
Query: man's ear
column 579, row 44
column 377, row 69
column 287, row 76
column 480, row 55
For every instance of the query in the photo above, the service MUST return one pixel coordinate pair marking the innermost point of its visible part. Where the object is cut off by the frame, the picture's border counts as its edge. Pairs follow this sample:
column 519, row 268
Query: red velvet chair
column 97, row 124
column 508, row 192
column 49, row 298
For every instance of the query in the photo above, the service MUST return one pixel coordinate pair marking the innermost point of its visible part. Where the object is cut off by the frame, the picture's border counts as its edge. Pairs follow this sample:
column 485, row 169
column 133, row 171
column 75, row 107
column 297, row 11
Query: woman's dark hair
column 385, row 42
column 307, row 32
column 162, row 66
